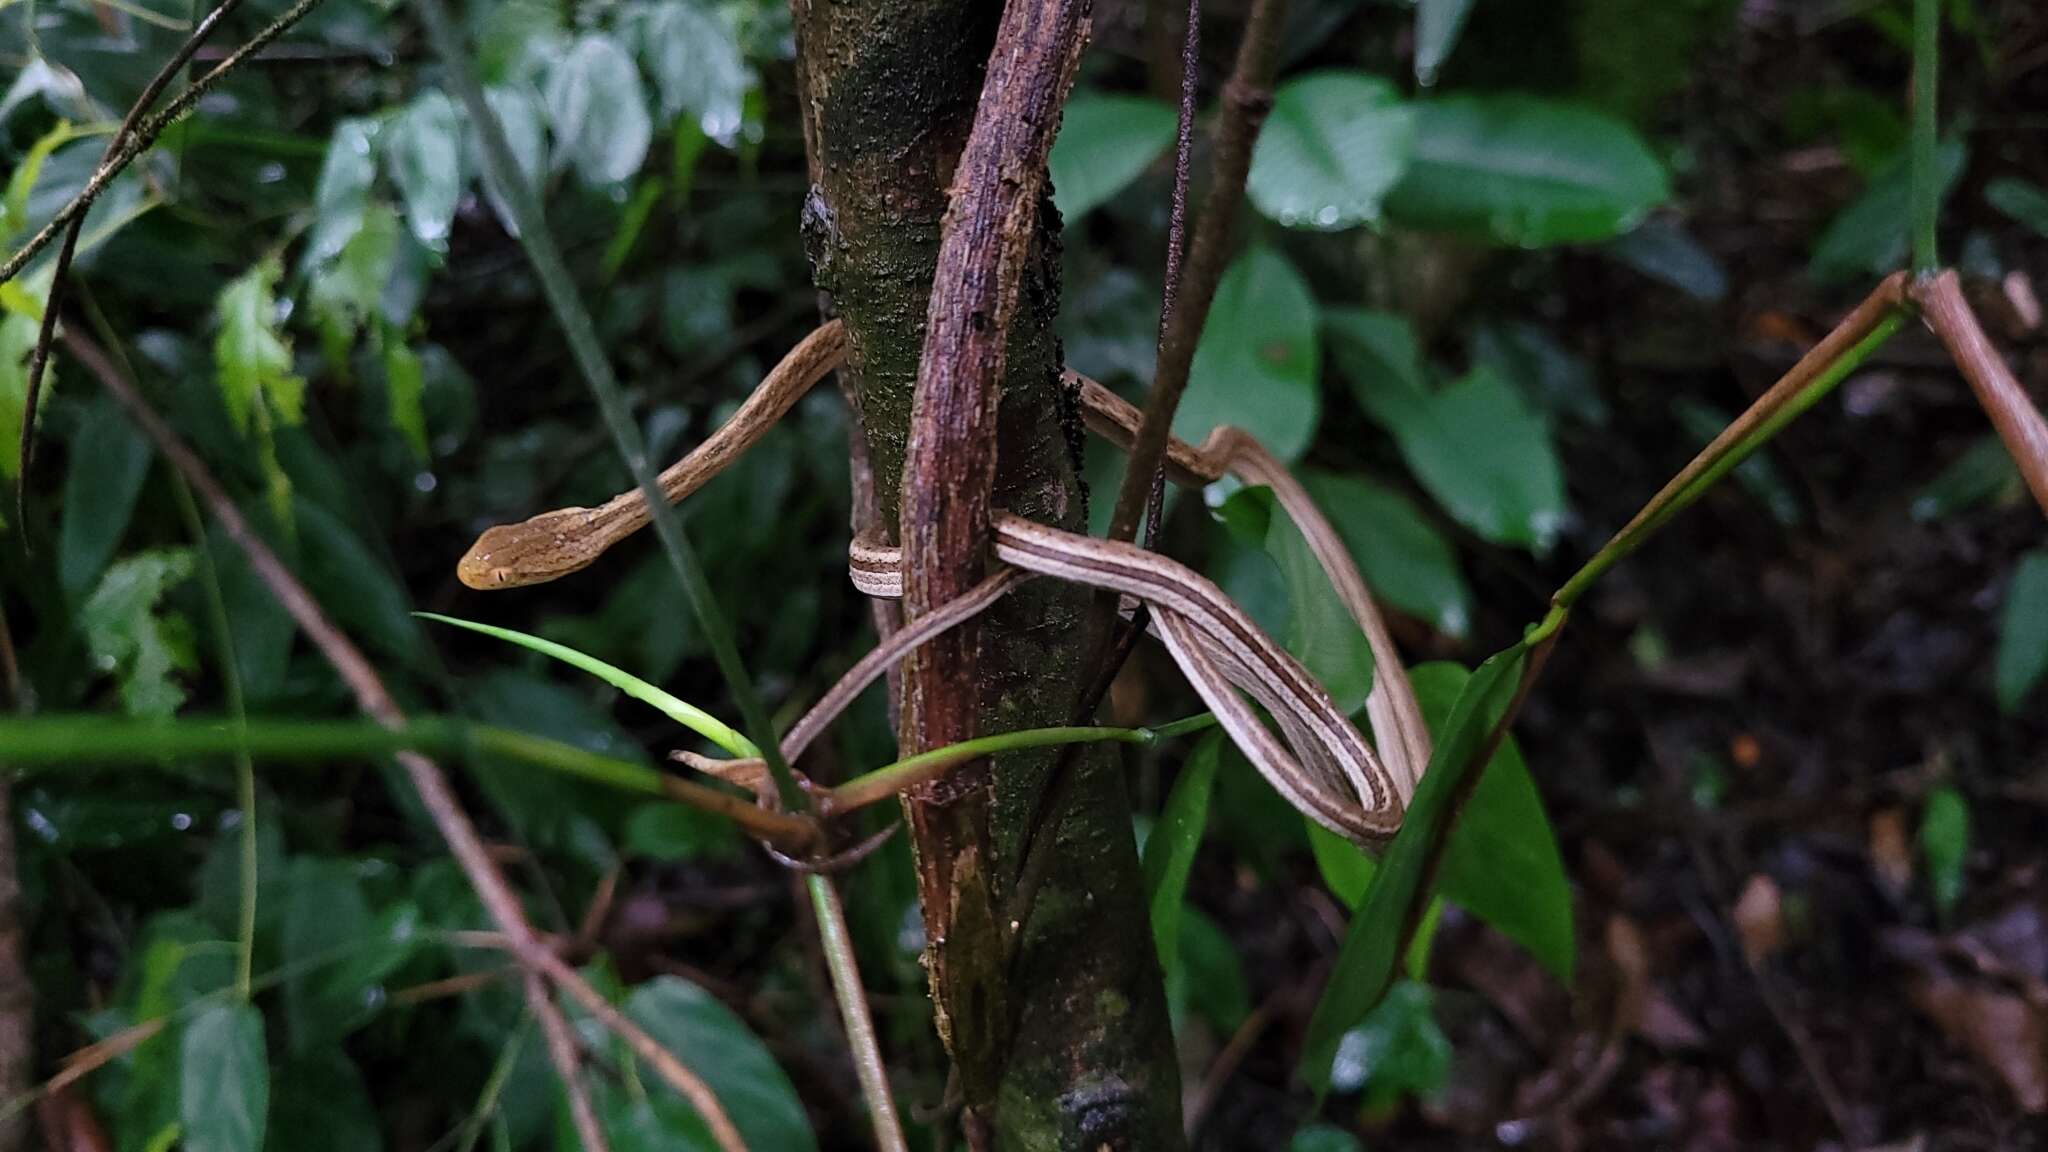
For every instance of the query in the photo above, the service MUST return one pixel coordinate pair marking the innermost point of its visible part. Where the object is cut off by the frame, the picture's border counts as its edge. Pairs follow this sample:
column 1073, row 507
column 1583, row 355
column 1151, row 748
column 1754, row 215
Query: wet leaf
column 1396, row 1050
column 1105, row 142
column 224, row 1100
column 1332, row 147
column 697, row 65
column 343, row 191
column 1438, row 23
column 423, row 150
column 599, row 111
column 523, row 120
column 1256, row 365
column 1318, row 631
column 1525, row 173
column 1405, row 561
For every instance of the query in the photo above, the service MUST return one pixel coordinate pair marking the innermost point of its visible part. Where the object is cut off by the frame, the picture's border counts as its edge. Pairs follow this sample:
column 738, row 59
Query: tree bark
column 1074, row 1049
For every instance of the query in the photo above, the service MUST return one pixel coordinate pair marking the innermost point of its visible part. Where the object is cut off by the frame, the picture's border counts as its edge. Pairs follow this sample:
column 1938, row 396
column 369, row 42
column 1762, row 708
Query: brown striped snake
column 1324, row 767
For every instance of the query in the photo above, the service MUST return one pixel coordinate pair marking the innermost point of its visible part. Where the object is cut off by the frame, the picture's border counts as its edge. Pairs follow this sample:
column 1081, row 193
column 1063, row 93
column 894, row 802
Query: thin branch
column 2019, row 423
column 562, row 1053
column 985, row 243
column 837, row 943
column 435, row 794
column 1247, row 97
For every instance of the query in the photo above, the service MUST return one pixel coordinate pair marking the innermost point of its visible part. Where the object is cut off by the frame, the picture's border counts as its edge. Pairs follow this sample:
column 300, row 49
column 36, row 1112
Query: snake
column 1320, row 762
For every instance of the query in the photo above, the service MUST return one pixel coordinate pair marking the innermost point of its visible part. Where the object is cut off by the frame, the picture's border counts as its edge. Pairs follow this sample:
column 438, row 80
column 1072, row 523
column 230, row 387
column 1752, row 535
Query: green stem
column 245, row 768
column 494, row 1086
column 1926, row 167
column 588, row 352
column 837, row 944
column 1629, row 540
column 892, row 779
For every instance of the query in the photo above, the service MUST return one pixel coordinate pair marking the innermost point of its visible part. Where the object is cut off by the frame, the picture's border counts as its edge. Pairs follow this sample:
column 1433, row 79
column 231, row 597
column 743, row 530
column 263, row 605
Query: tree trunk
column 1075, row 1051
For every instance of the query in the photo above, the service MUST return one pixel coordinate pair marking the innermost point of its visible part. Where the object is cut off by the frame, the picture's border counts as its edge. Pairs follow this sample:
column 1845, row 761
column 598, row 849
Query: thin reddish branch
column 985, row 242
column 2018, row 421
column 435, row 793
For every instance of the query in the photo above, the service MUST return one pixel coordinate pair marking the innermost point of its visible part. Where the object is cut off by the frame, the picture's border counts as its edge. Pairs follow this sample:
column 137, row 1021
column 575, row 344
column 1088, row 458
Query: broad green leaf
column 666, row 831
column 1347, row 872
column 404, row 383
column 1437, row 26
column 1869, row 237
column 1319, row 630
column 749, row 1085
column 1332, row 147
column 697, row 66
column 253, row 358
column 1367, row 962
column 2025, row 202
column 224, row 1101
column 1525, row 173
column 325, row 913
column 354, row 584
column 523, row 119
column 599, row 111
column 423, row 150
column 1476, row 445
column 1502, row 863
column 1170, row 849
column 128, row 636
column 109, row 459
column 1209, row 979
column 14, row 216
column 1256, row 366
column 1105, row 142
column 339, row 199
column 1405, row 561
column 1396, row 1050
column 1945, row 842
column 1983, row 474
column 345, row 292
column 2023, row 633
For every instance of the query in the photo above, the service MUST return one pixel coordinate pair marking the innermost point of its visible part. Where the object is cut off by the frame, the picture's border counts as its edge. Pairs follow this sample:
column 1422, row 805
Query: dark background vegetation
column 1792, row 754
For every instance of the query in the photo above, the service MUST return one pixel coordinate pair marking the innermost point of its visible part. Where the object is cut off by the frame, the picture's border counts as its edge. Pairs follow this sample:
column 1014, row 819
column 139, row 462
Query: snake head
column 535, row 551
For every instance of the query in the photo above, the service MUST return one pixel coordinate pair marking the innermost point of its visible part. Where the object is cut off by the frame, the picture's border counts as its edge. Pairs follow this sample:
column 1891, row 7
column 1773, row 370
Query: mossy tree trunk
column 1070, row 1047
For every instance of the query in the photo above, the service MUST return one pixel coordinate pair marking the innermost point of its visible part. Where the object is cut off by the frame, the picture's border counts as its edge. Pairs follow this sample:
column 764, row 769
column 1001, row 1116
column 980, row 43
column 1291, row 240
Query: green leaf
column 681, row 711
column 1319, row 630
column 1256, row 366
column 697, row 66
column 423, row 150
column 14, row 214
column 1477, row 445
column 1366, row 963
column 1869, row 237
column 1438, row 24
column 599, row 111
column 326, row 914
column 1105, row 142
column 1333, row 146
column 224, row 1096
column 1405, row 561
column 319, row 1105
column 523, row 118
column 253, row 359
column 1502, row 863
column 2023, row 633
column 20, row 325
column 749, row 1085
column 130, row 639
column 404, row 383
column 1553, row 377
column 1663, row 250
column 1396, row 1050
column 1209, row 979
column 1323, row 1138
column 354, row 583
column 1984, row 473
column 1945, row 842
column 1525, row 173
column 343, row 193
column 1170, row 849
column 109, row 459
column 1347, row 872
column 2025, row 202
column 668, row 831
column 345, row 292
